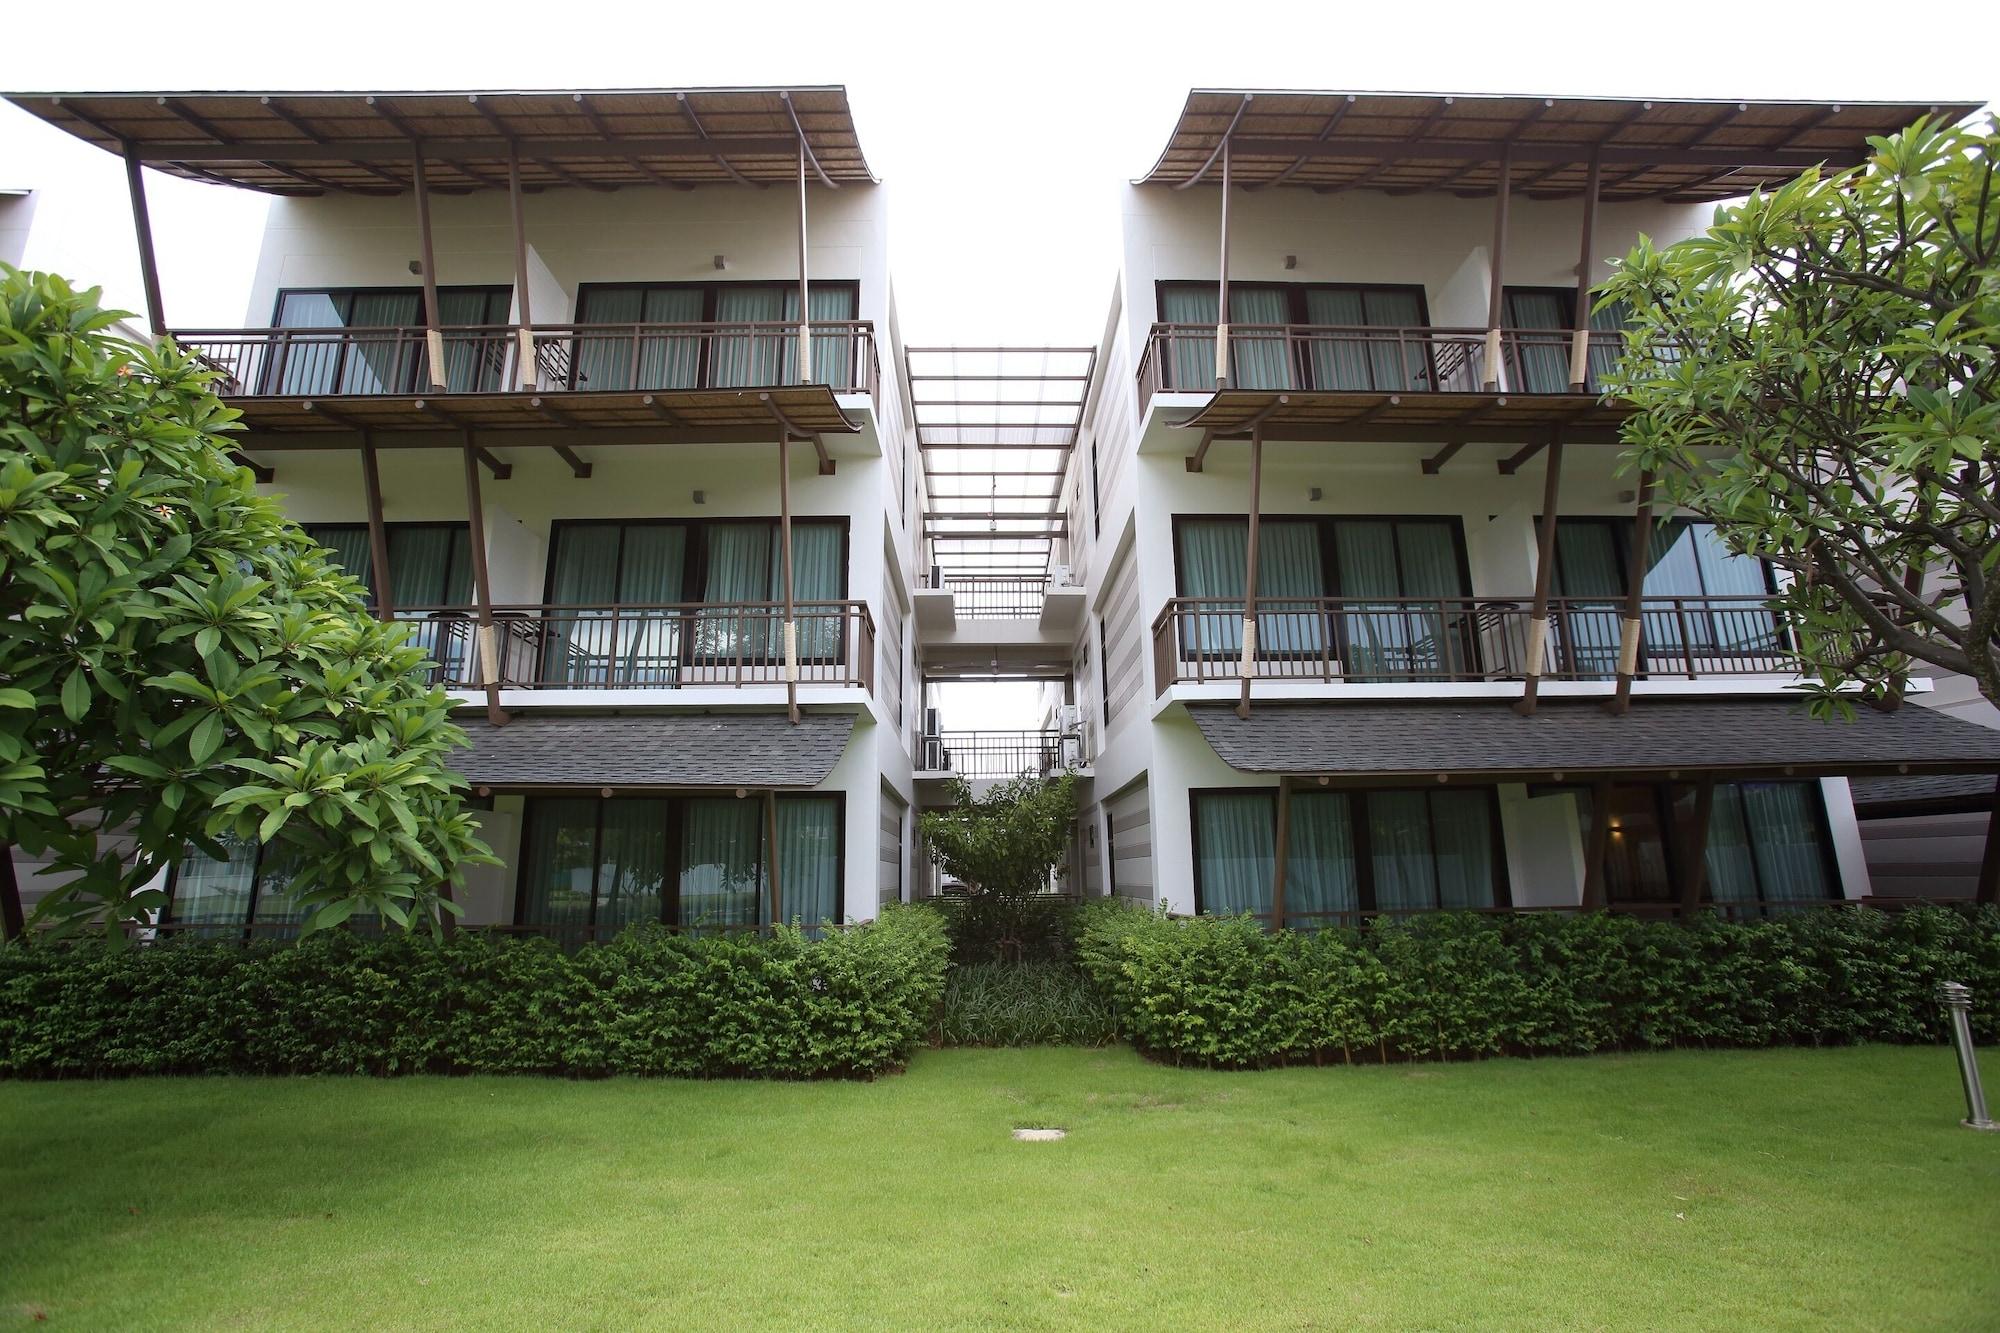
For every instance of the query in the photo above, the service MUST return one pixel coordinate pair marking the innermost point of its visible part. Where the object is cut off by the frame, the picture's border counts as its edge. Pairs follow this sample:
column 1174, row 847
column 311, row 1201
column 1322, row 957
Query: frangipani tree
column 1819, row 373
column 179, row 662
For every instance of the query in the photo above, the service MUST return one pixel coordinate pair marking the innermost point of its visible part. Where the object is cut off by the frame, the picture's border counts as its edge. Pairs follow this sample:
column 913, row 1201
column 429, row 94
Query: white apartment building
column 602, row 392
column 1348, row 372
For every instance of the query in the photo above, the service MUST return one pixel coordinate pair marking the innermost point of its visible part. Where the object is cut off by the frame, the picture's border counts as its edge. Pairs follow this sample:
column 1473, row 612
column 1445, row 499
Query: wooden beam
column 577, row 467
column 1988, row 884
column 804, row 374
column 1630, row 626
column 1512, row 463
column 433, row 334
column 1496, row 295
column 1222, row 286
column 1596, row 846
column 1248, row 665
column 1694, row 860
column 1545, row 560
column 1200, row 454
column 1579, row 356
column 771, row 836
column 791, row 629
column 482, row 589
column 378, row 533
column 263, row 472
column 1435, row 463
column 142, row 226
column 525, row 366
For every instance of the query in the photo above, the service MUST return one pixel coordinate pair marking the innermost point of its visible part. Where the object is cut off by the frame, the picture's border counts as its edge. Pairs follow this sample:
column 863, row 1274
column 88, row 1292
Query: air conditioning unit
column 1069, row 718
column 1059, row 577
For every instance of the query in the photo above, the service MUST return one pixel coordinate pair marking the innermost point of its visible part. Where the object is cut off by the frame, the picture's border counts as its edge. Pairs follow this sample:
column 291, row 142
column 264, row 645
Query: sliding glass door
column 1702, row 603
column 1300, row 336
column 614, row 590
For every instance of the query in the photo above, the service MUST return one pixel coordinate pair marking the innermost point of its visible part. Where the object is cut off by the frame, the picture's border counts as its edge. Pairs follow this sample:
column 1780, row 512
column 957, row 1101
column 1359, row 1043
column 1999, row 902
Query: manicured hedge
column 783, row 1006
column 1223, row 992
column 1024, row 1004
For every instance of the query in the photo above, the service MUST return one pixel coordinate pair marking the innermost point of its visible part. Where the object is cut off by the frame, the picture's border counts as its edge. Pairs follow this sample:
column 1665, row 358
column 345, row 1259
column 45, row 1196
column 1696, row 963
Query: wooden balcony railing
column 316, row 363
column 665, row 646
column 1180, row 358
column 1464, row 639
column 999, row 754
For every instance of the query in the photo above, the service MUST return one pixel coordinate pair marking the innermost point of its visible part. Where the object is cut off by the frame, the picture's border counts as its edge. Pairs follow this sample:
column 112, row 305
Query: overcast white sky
column 1002, row 129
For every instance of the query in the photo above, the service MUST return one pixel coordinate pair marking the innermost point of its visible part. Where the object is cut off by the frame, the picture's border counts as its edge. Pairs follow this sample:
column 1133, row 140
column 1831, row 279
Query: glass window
column 1393, row 850
column 1703, row 604
column 1767, row 843
column 1292, row 335
column 632, row 352
column 249, row 885
column 380, row 354
column 592, row 867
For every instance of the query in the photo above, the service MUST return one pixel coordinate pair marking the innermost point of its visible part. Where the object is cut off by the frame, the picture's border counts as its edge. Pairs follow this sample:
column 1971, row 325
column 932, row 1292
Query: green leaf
column 76, row 695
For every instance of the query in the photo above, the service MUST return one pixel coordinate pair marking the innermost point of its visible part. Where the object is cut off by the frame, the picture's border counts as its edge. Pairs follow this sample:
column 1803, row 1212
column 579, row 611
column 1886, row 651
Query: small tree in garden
column 1819, row 374
column 1003, row 847
column 179, row 662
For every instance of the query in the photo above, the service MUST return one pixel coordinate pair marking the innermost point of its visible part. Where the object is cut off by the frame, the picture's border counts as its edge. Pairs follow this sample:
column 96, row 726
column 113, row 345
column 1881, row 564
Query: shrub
column 1024, row 1004
column 784, row 1006
column 992, row 928
column 1224, row 992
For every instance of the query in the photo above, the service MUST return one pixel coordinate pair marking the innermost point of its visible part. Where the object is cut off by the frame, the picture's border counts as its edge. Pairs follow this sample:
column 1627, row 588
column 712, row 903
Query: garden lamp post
column 1957, row 1001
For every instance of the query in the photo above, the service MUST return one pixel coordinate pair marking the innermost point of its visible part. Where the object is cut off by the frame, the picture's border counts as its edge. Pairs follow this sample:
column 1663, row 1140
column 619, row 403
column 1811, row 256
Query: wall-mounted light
column 721, row 261
column 701, row 497
column 1291, row 262
column 1314, row 493
column 417, row 267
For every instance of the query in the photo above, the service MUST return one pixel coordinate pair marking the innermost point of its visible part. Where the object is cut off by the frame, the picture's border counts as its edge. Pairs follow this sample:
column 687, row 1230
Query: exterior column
column 1247, row 668
column 1222, row 286
column 433, row 336
column 1695, row 869
column 1579, row 346
column 142, row 226
column 1283, row 853
column 805, row 315
column 1595, row 847
column 378, row 531
column 1630, row 626
column 791, row 630
column 1988, row 890
column 1496, row 300
column 482, row 588
column 1545, row 561
column 524, row 353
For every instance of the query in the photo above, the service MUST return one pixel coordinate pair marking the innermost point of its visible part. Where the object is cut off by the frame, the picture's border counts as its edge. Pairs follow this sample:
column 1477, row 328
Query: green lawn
column 1744, row 1189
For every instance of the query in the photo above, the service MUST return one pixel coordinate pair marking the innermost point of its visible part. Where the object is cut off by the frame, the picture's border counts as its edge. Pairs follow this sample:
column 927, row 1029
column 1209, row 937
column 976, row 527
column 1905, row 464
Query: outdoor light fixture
column 417, row 267
column 1291, row 262
column 721, row 261
column 605, row 792
column 701, row 497
column 1957, row 1001
column 1313, row 493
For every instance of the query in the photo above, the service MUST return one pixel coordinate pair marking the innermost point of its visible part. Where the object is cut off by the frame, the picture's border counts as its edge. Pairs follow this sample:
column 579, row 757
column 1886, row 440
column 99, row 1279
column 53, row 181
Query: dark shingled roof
column 656, row 750
column 1940, row 794
column 1737, row 736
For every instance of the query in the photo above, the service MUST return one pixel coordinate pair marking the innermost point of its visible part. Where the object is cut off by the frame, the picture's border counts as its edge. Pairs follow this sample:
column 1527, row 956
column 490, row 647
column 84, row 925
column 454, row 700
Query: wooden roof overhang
column 502, row 420
column 1416, row 417
column 1680, row 150
column 293, row 143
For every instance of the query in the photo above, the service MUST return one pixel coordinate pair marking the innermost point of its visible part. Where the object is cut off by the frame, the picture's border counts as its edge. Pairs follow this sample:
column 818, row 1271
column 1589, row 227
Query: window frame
column 711, row 293
column 1364, row 860
column 676, row 800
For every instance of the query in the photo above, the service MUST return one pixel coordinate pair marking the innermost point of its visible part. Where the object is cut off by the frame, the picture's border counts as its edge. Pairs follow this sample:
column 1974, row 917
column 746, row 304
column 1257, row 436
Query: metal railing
column 1464, row 639
column 999, row 754
column 658, row 646
column 1180, row 358
column 316, row 363
column 994, row 597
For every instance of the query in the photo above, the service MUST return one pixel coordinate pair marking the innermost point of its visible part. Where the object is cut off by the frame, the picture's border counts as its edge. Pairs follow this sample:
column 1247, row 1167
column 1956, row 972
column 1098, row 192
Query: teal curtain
column 669, row 361
column 1259, row 356
column 809, row 860
column 558, row 861
column 1540, row 363
column 1343, row 357
column 430, row 565
column 1785, row 833
column 1321, row 874
column 419, row 564
column 631, row 864
column 349, row 545
column 1290, row 582
column 1214, row 554
column 1236, row 833
column 650, row 569
column 1605, row 352
column 816, row 567
column 754, row 357
column 832, row 353
column 1190, row 357
column 1377, row 636
column 474, row 362
column 1462, row 836
column 741, row 557
column 1590, row 575
column 307, row 365
column 1399, row 839
column 578, row 647
column 1394, row 364
column 721, row 879
column 277, row 866
column 604, row 359
column 1731, row 867
column 380, row 363
column 1440, row 640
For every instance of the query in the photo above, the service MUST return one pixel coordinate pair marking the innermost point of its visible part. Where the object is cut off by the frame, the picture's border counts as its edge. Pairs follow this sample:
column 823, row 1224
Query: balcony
column 1460, row 639
column 1320, row 358
column 580, row 358
column 651, row 647
column 998, row 755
